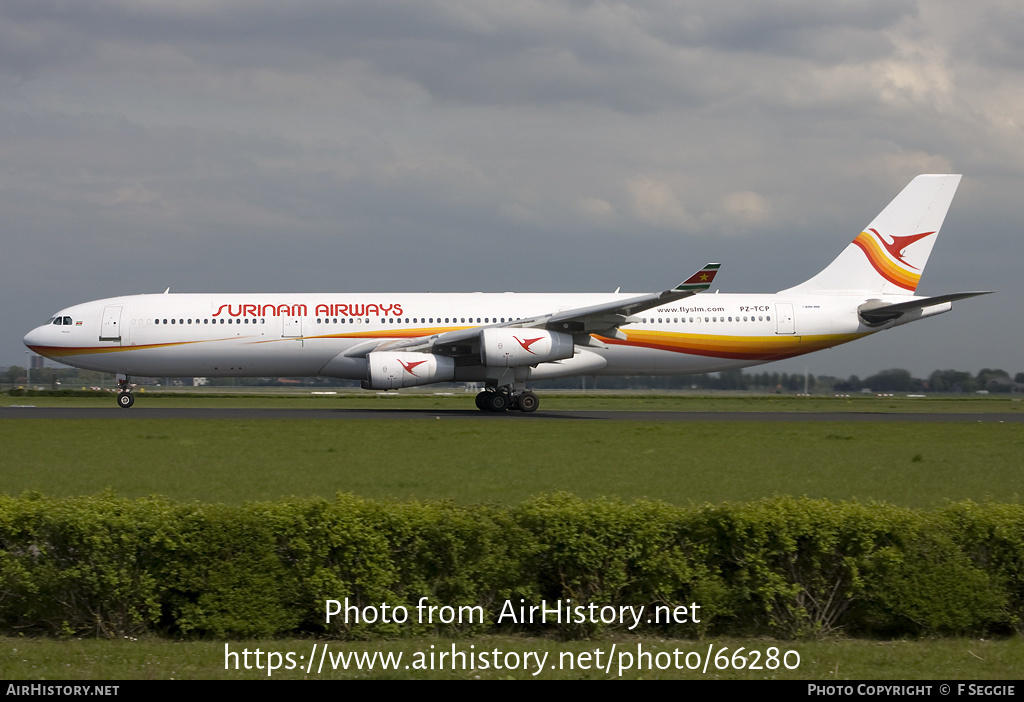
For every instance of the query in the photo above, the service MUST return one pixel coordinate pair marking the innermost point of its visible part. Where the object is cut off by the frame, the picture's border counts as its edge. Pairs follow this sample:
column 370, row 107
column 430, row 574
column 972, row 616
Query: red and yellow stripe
column 65, row 351
column 746, row 348
column 892, row 271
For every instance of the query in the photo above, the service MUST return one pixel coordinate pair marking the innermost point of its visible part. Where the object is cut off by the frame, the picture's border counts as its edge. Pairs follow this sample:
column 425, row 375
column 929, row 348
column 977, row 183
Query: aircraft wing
column 603, row 319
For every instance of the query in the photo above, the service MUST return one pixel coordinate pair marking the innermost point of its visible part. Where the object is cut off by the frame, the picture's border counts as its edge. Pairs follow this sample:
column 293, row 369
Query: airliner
column 506, row 341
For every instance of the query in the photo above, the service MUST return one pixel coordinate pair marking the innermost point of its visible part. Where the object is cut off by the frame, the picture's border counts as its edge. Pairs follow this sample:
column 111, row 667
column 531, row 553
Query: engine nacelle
column 583, row 363
column 403, row 369
column 507, row 348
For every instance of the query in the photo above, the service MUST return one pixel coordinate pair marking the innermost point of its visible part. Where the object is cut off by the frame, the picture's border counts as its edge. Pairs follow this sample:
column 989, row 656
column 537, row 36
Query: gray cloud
column 222, row 145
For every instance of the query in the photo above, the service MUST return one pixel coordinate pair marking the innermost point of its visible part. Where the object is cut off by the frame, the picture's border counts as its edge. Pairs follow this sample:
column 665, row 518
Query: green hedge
column 107, row 566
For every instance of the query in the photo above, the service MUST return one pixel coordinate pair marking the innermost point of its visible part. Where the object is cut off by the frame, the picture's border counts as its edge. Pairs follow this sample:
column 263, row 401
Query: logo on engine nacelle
column 527, row 343
column 410, row 365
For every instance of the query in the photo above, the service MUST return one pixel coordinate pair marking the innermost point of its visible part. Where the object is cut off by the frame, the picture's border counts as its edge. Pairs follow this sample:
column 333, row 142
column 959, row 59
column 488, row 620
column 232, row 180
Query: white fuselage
column 309, row 334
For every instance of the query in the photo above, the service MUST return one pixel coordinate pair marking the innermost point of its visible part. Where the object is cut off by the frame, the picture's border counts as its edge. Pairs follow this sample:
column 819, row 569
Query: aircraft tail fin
column 889, row 256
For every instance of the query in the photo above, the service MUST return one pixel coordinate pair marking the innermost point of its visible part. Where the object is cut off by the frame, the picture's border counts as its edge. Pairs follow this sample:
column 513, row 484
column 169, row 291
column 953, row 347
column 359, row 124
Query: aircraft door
column 292, row 326
column 784, row 318
column 110, row 329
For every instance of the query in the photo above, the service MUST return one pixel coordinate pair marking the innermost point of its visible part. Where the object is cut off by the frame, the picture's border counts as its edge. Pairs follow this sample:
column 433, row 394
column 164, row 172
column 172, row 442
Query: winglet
column 701, row 280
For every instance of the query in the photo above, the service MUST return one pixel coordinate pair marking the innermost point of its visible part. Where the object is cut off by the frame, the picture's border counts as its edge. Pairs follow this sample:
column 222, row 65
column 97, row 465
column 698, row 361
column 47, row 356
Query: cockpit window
column 67, row 321
column 54, row 320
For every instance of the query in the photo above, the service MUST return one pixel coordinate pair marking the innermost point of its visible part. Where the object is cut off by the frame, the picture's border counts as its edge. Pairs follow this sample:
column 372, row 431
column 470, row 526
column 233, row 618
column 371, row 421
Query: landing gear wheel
column 482, row 400
column 497, row 402
column 528, row 402
column 126, row 400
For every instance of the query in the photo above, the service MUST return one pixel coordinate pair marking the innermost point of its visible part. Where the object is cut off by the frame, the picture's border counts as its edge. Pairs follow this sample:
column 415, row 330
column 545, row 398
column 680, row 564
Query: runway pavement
column 28, row 412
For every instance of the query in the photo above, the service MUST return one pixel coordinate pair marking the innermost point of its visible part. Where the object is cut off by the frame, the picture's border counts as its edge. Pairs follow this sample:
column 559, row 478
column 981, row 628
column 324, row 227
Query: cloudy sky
column 459, row 145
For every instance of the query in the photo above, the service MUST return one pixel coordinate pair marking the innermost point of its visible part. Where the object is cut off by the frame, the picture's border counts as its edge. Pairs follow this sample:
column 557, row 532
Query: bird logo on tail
column 894, row 268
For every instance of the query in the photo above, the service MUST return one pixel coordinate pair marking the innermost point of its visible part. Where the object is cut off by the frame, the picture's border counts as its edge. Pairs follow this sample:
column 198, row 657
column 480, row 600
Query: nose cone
column 34, row 339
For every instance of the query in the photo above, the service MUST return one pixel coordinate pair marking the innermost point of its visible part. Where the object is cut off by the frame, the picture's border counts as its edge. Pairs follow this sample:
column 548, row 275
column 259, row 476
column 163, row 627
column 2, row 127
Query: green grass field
column 468, row 461
column 832, row 660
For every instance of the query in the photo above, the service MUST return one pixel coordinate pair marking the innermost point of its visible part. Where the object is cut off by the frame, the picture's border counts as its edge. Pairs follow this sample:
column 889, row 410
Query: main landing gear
column 124, row 398
column 502, row 399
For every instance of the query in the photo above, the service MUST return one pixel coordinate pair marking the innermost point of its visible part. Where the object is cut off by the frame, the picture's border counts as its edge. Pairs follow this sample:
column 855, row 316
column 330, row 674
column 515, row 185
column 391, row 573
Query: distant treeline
column 893, row 380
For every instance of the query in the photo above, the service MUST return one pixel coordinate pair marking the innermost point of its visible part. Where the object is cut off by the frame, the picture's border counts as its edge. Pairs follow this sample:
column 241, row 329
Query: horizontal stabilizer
column 875, row 312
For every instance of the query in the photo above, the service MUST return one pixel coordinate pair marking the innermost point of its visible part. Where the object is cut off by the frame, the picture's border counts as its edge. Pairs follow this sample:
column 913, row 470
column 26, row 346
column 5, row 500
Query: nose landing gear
column 124, row 398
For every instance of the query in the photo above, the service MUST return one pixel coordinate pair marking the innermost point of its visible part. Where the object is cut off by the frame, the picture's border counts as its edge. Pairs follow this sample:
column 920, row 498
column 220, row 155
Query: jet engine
column 506, row 348
column 403, row 369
